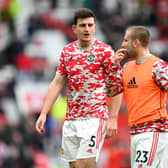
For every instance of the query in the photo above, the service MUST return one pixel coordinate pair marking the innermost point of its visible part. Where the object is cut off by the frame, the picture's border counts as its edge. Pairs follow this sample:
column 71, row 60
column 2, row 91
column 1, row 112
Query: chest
column 138, row 77
column 83, row 62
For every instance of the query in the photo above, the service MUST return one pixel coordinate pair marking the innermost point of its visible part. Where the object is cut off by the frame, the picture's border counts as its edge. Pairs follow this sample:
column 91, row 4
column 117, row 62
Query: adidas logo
column 132, row 83
column 140, row 166
column 89, row 151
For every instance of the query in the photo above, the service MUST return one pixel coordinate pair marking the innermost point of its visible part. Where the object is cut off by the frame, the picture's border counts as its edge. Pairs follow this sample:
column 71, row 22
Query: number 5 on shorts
column 92, row 139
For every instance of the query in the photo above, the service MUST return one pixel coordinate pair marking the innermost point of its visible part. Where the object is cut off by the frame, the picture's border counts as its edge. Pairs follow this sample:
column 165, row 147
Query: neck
column 142, row 54
column 85, row 44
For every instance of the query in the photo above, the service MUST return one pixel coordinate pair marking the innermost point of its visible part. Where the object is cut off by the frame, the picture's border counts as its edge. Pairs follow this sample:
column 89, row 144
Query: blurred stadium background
column 32, row 34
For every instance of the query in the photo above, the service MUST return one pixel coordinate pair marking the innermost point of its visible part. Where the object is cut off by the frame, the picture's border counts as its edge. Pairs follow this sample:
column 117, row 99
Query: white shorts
column 82, row 138
column 148, row 150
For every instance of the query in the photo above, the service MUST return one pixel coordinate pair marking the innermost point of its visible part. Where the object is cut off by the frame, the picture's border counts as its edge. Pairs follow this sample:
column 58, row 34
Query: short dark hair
column 141, row 33
column 83, row 13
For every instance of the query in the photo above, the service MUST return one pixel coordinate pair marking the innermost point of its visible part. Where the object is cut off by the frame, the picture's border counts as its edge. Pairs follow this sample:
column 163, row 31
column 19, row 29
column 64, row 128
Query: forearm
column 115, row 84
column 54, row 90
column 115, row 78
column 50, row 99
column 114, row 106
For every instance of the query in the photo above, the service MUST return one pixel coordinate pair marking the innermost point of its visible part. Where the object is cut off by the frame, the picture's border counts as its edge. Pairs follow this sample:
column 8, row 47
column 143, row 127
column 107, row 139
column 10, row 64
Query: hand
column 119, row 55
column 111, row 128
column 40, row 123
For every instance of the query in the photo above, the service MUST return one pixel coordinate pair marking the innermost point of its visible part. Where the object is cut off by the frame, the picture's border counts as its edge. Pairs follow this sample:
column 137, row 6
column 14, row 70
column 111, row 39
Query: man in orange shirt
column 144, row 81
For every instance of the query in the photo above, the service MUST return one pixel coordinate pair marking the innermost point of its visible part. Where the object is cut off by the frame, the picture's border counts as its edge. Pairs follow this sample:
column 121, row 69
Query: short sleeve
column 61, row 70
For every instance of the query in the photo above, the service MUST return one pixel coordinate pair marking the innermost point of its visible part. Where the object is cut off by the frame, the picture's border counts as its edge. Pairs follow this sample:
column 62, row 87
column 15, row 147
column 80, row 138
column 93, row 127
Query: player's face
column 85, row 29
column 128, row 44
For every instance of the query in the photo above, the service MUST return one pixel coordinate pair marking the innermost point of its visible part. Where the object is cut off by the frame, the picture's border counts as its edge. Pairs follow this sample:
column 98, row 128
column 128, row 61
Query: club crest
column 91, row 58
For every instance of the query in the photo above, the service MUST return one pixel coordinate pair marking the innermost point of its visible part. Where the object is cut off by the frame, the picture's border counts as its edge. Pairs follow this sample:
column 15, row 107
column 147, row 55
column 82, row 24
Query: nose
column 86, row 27
column 122, row 45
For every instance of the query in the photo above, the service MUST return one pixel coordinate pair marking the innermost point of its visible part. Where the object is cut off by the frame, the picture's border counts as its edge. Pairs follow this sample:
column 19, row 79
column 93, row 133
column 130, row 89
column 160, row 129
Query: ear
column 74, row 28
column 136, row 43
column 95, row 27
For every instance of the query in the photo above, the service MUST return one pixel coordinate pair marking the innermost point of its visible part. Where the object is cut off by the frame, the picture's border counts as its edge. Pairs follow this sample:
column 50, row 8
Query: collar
column 86, row 48
column 142, row 60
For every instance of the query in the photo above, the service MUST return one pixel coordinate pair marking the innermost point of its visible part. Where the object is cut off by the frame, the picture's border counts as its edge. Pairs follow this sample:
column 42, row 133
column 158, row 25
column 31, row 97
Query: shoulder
column 128, row 65
column 70, row 47
column 154, row 58
column 102, row 46
column 160, row 63
column 160, row 70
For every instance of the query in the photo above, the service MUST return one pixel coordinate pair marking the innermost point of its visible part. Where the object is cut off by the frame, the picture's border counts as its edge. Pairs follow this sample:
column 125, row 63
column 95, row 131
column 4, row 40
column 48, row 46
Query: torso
column 86, row 80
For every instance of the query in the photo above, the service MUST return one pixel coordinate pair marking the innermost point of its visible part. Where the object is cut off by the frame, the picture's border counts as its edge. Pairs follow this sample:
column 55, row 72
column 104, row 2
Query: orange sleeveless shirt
column 145, row 100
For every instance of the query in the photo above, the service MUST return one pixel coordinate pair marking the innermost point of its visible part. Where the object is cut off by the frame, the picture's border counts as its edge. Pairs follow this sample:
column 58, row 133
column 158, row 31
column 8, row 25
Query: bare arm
column 114, row 107
column 54, row 90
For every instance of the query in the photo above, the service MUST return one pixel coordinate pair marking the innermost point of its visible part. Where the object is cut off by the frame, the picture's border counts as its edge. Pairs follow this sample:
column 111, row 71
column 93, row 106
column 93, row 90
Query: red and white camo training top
column 88, row 71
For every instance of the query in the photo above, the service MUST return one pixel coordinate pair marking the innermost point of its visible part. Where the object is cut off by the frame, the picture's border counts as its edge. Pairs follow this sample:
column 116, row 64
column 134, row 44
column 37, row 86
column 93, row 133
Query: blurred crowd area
column 32, row 34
